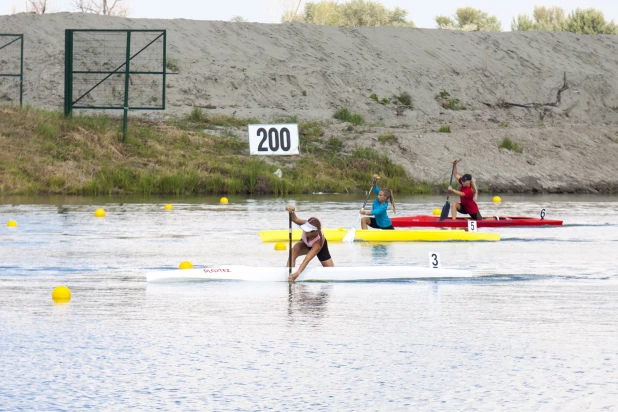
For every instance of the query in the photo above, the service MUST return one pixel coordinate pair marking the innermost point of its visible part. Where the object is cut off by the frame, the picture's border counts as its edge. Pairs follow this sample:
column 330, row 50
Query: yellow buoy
column 61, row 294
column 280, row 246
column 497, row 199
column 99, row 213
column 11, row 223
column 437, row 212
column 185, row 265
column 168, row 207
column 223, row 201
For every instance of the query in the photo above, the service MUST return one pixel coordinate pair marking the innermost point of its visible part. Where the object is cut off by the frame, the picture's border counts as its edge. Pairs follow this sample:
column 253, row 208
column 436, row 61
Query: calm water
column 536, row 330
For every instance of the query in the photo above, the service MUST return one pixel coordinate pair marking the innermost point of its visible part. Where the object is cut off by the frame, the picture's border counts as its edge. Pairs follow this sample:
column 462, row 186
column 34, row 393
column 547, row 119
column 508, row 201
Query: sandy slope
column 569, row 129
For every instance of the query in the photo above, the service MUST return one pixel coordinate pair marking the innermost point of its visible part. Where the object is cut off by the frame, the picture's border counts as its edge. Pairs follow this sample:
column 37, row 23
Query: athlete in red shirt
column 467, row 194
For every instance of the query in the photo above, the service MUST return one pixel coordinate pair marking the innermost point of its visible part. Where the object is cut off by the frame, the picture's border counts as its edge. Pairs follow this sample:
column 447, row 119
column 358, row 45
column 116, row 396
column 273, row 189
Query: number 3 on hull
column 434, row 260
column 273, row 139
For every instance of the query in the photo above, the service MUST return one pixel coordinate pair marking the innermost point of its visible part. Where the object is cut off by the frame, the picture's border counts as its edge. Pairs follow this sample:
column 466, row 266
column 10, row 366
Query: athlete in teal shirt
column 378, row 209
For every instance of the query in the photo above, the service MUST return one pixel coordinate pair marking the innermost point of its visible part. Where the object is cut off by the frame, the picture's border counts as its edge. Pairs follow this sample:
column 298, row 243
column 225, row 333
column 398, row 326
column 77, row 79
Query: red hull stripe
column 501, row 221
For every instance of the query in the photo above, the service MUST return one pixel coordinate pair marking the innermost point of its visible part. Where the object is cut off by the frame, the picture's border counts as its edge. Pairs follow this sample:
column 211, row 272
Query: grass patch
column 47, row 130
column 286, row 119
column 503, row 124
column 383, row 100
column 448, row 102
column 444, row 129
column 334, row 145
column 404, row 99
column 387, row 137
column 311, row 129
column 344, row 114
column 508, row 144
column 311, row 140
column 196, row 115
column 304, row 92
column 197, row 120
column 172, row 64
column 453, row 104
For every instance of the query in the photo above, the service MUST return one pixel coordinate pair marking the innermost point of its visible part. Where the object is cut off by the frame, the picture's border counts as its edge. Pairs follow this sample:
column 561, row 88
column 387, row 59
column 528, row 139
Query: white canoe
column 314, row 273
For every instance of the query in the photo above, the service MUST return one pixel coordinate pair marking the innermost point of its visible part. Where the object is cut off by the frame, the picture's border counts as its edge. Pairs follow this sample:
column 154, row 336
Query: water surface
column 535, row 330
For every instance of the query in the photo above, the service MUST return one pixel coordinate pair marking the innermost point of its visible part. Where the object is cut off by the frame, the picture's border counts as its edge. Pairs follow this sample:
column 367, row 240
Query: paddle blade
column 445, row 209
column 349, row 237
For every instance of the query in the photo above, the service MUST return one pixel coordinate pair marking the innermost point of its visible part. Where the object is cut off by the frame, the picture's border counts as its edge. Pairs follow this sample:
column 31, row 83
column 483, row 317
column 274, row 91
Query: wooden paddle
column 349, row 237
column 290, row 236
column 447, row 206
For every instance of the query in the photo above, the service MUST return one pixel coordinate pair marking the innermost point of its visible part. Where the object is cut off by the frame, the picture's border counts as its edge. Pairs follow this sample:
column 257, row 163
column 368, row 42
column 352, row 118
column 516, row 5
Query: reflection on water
column 379, row 252
column 307, row 299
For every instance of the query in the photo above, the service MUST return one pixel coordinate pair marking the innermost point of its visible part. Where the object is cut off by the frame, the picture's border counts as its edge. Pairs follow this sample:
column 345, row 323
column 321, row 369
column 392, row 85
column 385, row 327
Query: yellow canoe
column 403, row 235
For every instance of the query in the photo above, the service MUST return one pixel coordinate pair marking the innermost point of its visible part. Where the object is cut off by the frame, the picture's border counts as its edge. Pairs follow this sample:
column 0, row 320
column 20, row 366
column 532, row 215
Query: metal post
column 164, row 64
column 68, row 72
column 126, row 89
column 21, row 74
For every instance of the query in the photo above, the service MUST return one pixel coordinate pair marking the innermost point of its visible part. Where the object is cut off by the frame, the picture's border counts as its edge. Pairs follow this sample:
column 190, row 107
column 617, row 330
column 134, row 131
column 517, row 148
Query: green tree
column 324, row 13
column 469, row 19
column 445, row 22
column 523, row 22
column 580, row 21
column 589, row 21
column 290, row 11
column 543, row 19
column 549, row 18
column 353, row 13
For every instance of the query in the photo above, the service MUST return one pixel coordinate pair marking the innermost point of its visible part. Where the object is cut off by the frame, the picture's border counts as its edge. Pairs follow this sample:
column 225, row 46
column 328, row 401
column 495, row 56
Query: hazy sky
column 269, row 11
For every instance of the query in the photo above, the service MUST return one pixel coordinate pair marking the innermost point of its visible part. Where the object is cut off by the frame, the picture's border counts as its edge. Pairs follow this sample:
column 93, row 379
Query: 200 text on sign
column 273, row 139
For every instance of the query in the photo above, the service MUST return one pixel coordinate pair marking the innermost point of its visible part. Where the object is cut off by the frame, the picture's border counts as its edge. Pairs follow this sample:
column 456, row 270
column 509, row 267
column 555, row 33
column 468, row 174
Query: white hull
column 317, row 273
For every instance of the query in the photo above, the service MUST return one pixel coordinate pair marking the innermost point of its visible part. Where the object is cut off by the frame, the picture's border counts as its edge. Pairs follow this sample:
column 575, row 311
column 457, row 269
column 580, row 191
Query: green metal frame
column 70, row 104
column 19, row 37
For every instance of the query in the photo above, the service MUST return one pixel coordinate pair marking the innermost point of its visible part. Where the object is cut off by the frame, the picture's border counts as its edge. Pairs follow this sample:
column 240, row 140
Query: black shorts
column 474, row 216
column 374, row 224
column 324, row 254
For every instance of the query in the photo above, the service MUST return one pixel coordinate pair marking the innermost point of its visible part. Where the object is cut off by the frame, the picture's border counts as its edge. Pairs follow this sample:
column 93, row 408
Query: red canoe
column 493, row 221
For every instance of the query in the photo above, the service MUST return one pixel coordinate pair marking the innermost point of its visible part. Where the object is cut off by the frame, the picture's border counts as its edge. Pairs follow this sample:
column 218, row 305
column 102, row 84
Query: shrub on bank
column 345, row 115
column 508, row 144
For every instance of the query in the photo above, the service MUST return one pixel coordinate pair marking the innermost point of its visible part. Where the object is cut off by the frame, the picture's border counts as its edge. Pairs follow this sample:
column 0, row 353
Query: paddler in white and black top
column 312, row 243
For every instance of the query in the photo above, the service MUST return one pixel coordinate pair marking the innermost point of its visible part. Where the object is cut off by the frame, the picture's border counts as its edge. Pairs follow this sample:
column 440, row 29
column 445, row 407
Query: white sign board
column 471, row 225
column 273, row 139
column 434, row 260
